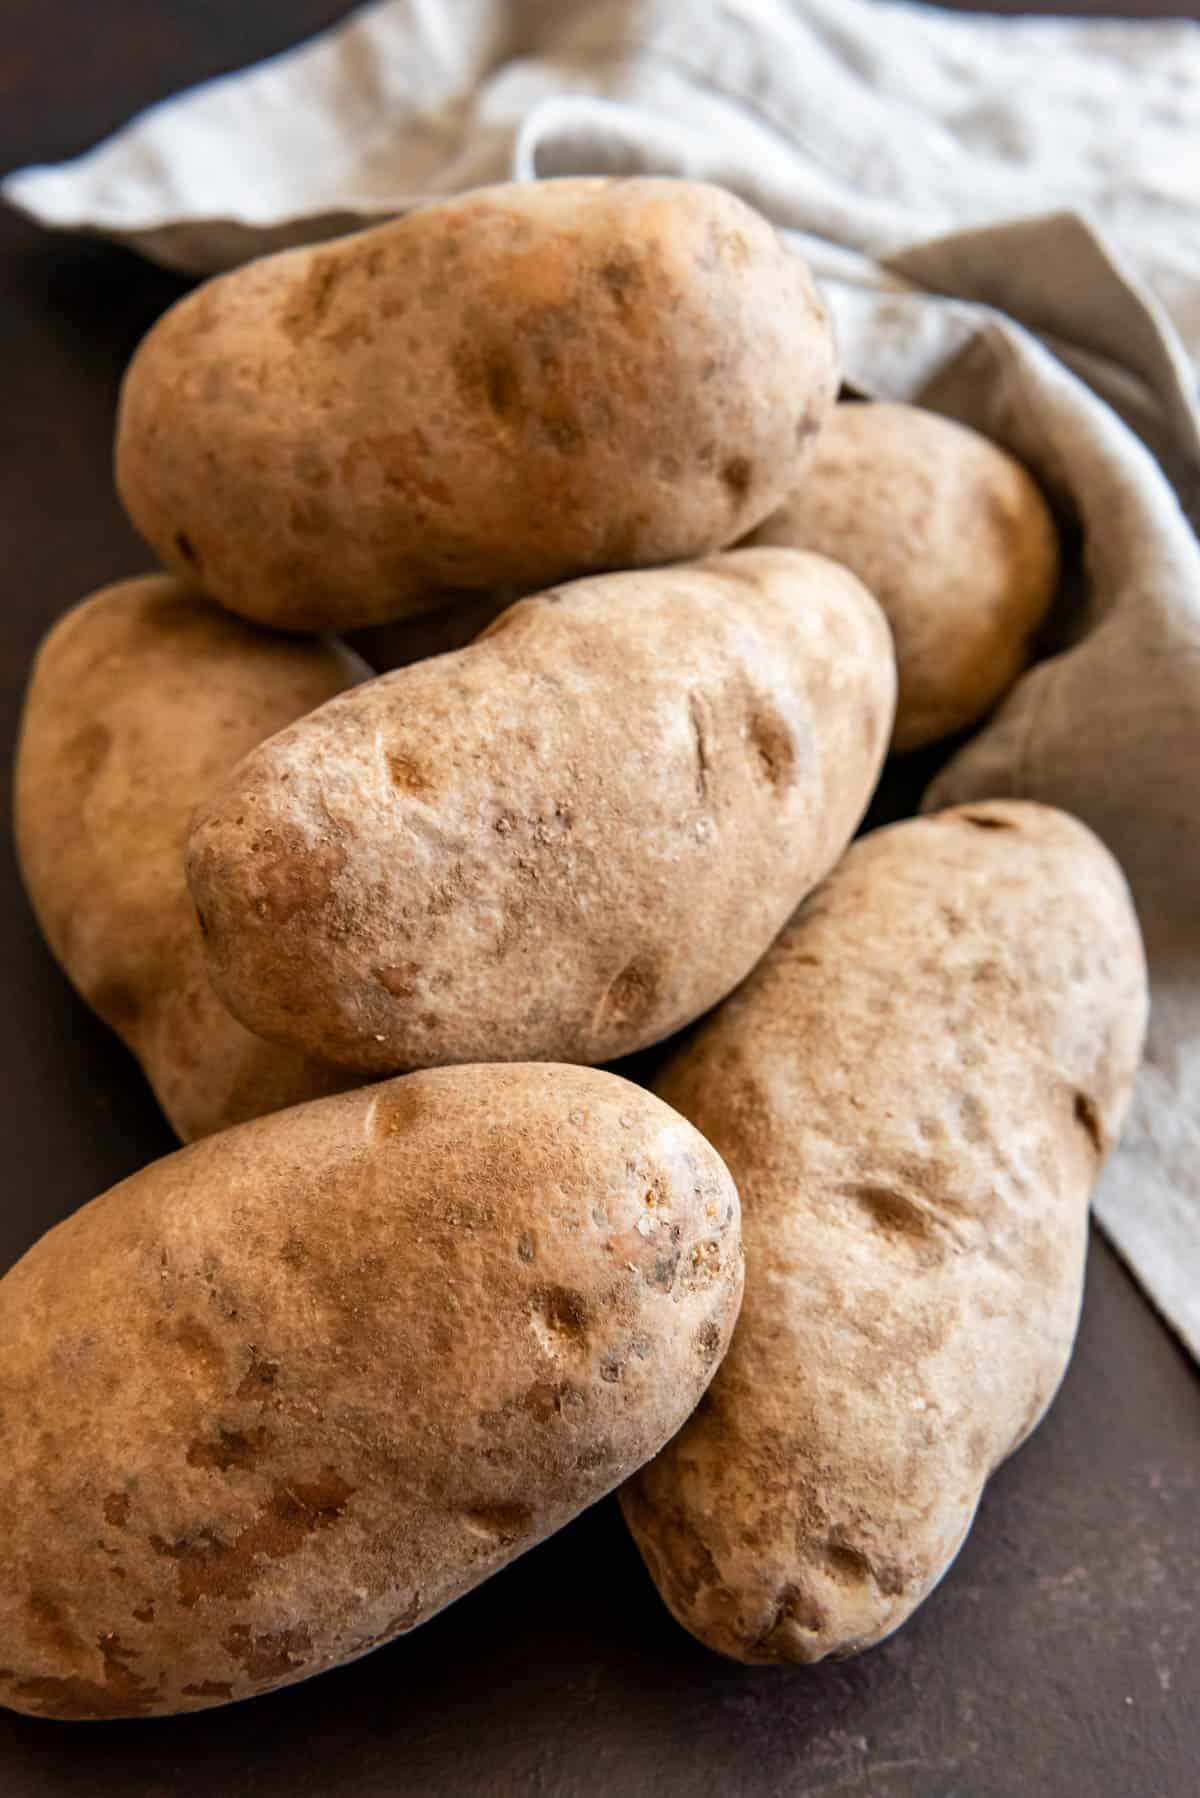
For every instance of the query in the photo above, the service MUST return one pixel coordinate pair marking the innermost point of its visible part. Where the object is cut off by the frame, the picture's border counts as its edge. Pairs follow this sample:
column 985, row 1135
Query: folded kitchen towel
column 1005, row 215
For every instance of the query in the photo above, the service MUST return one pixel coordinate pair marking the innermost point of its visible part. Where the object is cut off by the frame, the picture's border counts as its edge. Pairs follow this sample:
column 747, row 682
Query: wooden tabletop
column 1061, row 1655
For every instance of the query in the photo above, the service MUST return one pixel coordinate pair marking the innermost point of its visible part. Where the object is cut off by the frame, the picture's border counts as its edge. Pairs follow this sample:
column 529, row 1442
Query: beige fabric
column 1109, row 728
column 865, row 129
column 871, row 124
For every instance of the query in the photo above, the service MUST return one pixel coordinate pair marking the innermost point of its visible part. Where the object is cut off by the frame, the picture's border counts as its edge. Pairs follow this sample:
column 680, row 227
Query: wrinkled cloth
column 1005, row 216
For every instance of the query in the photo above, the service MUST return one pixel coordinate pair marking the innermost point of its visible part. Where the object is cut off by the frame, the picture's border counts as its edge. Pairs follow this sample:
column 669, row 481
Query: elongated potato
column 951, row 535
column 141, row 699
column 563, row 842
column 284, row 1395
column 517, row 386
column 914, row 1092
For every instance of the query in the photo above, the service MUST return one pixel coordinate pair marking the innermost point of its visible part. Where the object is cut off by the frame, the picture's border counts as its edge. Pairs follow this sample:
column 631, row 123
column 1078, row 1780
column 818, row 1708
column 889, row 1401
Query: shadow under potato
column 458, row 620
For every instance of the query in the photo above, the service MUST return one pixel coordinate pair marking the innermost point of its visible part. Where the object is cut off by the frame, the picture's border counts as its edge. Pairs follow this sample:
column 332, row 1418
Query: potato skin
column 285, row 1394
column 565, row 841
column 523, row 384
column 140, row 700
column 951, row 535
column 914, row 1092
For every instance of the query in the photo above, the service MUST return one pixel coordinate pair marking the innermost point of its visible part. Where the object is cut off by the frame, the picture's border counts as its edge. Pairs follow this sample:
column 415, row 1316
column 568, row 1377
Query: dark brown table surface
column 1061, row 1655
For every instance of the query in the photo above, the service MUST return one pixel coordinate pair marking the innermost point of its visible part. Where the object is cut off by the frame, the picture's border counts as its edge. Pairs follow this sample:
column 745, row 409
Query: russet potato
column 914, row 1092
column 563, row 842
column 508, row 389
column 284, row 1395
column 140, row 702
column 952, row 536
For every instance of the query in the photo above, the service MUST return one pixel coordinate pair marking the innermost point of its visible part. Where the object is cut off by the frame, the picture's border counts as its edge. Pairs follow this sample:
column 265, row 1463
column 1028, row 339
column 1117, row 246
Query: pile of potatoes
column 428, row 1281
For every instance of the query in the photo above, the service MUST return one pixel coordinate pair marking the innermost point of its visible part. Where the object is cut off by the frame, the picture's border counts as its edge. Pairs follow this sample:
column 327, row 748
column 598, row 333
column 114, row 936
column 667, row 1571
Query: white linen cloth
column 1061, row 315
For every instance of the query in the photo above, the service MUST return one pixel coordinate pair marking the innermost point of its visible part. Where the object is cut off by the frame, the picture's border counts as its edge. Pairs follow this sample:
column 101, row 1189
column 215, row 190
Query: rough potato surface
column 953, row 538
column 140, row 701
column 521, row 385
column 914, row 1093
column 282, row 1396
column 563, row 842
